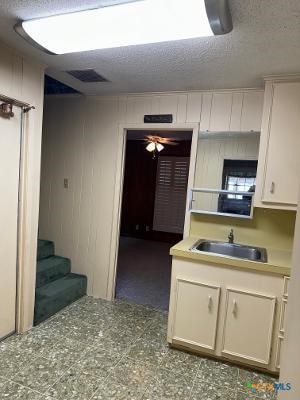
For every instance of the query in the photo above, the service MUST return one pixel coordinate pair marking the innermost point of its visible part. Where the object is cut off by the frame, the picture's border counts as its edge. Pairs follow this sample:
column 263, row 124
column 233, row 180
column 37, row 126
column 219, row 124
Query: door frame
column 12, row 130
column 25, row 274
column 22, row 280
column 29, row 186
column 117, row 204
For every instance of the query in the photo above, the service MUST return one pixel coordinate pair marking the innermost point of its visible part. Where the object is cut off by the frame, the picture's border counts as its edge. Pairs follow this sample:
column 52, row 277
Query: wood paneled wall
column 80, row 142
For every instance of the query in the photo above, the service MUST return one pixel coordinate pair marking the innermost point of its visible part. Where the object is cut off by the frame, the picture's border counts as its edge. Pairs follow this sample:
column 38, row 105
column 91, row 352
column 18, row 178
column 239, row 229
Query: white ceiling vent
column 87, row 75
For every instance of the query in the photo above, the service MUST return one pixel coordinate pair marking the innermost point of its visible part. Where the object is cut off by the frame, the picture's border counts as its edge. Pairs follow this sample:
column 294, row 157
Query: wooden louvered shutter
column 170, row 195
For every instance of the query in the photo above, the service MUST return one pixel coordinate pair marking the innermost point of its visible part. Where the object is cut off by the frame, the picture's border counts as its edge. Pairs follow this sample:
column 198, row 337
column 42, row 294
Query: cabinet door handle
column 234, row 309
column 210, row 300
column 191, row 204
column 272, row 188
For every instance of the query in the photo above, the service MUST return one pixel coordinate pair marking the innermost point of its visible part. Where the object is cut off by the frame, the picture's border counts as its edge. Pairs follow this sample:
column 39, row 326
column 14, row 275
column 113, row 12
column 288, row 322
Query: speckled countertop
column 279, row 261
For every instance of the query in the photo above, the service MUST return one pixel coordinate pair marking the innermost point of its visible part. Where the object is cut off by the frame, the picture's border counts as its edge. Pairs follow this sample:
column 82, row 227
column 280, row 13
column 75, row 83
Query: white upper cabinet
column 279, row 166
column 206, row 111
column 216, row 111
column 220, row 112
column 236, row 111
column 232, row 111
column 251, row 113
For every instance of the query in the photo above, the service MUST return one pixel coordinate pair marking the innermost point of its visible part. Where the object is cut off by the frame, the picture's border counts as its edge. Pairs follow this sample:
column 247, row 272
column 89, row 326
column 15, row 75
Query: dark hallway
column 153, row 209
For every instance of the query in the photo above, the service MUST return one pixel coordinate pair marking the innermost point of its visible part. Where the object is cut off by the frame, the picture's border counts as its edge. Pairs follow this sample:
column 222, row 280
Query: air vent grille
column 87, row 75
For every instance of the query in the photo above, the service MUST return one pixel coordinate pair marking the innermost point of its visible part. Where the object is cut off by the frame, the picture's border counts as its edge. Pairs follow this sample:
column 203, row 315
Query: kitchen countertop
column 279, row 261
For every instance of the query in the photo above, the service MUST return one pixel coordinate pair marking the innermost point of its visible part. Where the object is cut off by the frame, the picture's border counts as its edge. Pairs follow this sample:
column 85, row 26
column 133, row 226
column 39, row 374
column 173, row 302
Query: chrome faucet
column 231, row 236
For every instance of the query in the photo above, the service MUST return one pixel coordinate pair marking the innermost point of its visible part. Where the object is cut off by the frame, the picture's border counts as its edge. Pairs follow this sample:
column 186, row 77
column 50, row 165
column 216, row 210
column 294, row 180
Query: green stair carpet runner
column 56, row 286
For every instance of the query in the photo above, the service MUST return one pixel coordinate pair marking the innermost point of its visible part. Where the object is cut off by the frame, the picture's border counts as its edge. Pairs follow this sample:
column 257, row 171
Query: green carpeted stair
column 45, row 249
column 56, row 286
column 50, row 269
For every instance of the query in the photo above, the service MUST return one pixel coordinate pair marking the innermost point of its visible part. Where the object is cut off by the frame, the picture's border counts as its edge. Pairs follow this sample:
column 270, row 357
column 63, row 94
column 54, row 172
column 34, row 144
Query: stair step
column 54, row 296
column 45, row 249
column 51, row 268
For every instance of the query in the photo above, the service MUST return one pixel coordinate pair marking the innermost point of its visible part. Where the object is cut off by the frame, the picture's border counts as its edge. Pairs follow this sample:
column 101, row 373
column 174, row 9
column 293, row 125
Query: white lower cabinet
column 278, row 351
column 281, row 335
column 228, row 313
column 196, row 313
column 248, row 326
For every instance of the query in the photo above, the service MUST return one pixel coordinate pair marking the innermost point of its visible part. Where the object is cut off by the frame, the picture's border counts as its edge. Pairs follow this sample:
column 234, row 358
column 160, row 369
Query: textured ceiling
column 265, row 40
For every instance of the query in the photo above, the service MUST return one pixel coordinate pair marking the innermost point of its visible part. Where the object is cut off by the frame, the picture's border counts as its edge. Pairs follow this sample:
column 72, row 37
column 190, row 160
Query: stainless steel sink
column 231, row 250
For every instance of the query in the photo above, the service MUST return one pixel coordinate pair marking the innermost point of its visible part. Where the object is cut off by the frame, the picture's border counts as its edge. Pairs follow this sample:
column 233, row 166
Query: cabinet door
column 279, row 351
column 196, row 313
column 248, row 326
column 236, row 112
column 220, row 112
column 251, row 115
column 283, row 161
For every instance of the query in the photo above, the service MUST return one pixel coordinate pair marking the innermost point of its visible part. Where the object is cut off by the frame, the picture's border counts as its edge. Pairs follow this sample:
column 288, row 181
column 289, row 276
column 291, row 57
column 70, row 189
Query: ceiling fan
column 156, row 143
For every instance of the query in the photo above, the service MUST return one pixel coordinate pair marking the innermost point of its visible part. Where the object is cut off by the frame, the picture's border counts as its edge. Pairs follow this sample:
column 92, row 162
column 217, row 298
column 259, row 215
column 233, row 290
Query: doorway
column 156, row 170
column 10, row 149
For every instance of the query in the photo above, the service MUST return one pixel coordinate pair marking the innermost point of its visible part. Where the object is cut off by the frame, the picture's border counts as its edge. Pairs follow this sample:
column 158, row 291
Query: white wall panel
column 206, row 111
column 136, row 108
column 194, row 105
column 155, row 104
column 8, row 70
column 82, row 149
column 182, row 108
column 169, row 105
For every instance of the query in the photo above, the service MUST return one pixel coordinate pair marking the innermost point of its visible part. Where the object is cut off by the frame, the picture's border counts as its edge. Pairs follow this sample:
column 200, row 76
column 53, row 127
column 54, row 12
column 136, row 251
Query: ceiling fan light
column 159, row 147
column 150, row 147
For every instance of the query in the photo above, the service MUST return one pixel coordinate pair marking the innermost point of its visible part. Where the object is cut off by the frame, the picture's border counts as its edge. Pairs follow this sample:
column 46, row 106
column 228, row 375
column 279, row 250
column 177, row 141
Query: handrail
column 203, row 190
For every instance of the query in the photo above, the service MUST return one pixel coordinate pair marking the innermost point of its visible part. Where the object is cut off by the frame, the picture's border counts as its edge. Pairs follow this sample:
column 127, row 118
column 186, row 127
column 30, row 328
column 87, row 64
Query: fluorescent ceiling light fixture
column 134, row 23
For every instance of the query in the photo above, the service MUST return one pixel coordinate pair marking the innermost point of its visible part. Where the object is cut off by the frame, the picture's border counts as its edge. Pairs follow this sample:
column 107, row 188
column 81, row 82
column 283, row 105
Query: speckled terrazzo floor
column 99, row 350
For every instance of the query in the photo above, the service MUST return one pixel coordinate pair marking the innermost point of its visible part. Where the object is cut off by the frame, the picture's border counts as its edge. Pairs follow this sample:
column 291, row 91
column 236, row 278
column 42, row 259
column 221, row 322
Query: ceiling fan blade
column 151, row 137
column 173, row 139
column 158, row 139
column 167, row 141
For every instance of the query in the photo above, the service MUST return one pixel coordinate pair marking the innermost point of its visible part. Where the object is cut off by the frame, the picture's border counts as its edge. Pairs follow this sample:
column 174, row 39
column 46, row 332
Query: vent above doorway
column 87, row 75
